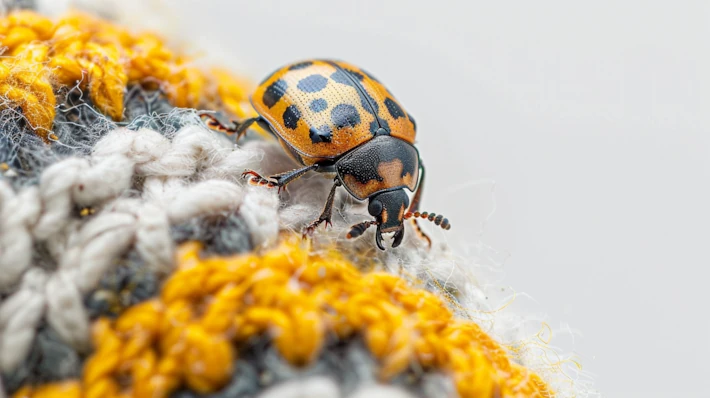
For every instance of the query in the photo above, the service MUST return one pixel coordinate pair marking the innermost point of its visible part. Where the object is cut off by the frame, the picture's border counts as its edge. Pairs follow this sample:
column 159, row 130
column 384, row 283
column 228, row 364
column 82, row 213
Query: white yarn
column 260, row 211
column 231, row 166
column 153, row 241
column 65, row 310
column 112, row 174
column 17, row 213
column 101, row 240
column 55, row 190
column 204, row 197
column 195, row 173
column 20, row 315
column 310, row 387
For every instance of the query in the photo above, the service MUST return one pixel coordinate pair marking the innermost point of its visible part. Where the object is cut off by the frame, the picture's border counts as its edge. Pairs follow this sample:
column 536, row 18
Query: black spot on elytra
column 291, row 117
column 312, row 84
column 368, row 103
column 411, row 119
column 340, row 77
column 274, row 92
column 357, row 75
column 377, row 129
column 345, row 115
column 394, row 108
column 353, row 79
column 300, row 65
column 321, row 134
column 318, row 105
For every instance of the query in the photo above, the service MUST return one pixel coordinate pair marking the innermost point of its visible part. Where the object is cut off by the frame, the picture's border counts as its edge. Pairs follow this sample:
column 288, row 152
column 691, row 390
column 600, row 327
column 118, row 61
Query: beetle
column 334, row 117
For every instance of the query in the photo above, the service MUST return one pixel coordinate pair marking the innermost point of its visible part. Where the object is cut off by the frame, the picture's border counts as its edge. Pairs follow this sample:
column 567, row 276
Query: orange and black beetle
column 334, row 117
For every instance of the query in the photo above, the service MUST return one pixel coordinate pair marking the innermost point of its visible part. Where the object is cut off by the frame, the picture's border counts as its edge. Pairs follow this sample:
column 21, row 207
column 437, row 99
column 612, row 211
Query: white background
column 592, row 119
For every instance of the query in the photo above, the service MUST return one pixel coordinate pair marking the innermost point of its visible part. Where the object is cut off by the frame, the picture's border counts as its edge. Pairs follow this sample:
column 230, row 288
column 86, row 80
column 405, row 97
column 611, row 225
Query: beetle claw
column 311, row 228
column 398, row 236
column 378, row 238
column 255, row 178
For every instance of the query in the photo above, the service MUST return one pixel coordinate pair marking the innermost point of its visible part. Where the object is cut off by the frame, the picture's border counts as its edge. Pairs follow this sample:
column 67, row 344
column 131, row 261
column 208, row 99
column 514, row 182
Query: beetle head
column 388, row 208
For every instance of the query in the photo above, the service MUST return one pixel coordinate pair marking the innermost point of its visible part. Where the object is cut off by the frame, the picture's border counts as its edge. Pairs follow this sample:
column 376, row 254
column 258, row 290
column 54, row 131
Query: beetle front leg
column 326, row 214
column 278, row 180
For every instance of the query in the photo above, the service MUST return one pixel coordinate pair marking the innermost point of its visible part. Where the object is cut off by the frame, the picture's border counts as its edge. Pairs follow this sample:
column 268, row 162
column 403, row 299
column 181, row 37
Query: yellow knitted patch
column 191, row 334
column 95, row 55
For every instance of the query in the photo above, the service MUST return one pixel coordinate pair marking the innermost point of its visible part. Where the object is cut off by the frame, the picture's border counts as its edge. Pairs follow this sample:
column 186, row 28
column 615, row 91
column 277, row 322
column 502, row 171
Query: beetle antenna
column 436, row 219
column 359, row 229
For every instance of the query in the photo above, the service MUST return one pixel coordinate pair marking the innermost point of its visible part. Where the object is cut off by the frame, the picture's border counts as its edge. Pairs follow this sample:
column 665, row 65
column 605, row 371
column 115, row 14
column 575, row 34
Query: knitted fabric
column 136, row 261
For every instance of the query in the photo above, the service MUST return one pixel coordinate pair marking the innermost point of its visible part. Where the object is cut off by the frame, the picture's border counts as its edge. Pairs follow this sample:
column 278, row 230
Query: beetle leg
column 414, row 205
column 278, row 180
column 239, row 128
column 358, row 229
column 326, row 214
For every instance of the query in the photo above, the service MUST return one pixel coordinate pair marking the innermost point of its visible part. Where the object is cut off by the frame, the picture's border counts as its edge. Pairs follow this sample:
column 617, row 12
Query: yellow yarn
column 102, row 58
column 209, row 306
column 70, row 389
column 25, row 84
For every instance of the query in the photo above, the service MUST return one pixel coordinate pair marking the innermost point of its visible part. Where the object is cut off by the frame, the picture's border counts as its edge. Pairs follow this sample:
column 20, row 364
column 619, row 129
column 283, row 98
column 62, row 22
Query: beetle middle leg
column 278, row 180
column 327, row 212
column 238, row 129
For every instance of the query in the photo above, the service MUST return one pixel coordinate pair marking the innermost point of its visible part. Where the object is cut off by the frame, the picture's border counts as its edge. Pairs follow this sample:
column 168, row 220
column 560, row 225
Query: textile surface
column 135, row 260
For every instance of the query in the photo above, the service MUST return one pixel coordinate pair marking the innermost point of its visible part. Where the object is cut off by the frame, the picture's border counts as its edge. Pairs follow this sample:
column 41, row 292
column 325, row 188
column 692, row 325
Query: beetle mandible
column 334, row 117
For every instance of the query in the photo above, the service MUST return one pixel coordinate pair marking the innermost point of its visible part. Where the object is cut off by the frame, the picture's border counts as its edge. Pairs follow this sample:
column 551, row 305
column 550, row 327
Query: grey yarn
column 126, row 285
column 11, row 5
column 222, row 234
column 50, row 360
column 78, row 126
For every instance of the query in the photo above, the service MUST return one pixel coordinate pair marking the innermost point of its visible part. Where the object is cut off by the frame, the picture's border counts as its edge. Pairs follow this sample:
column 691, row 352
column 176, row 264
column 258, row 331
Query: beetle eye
column 375, row 208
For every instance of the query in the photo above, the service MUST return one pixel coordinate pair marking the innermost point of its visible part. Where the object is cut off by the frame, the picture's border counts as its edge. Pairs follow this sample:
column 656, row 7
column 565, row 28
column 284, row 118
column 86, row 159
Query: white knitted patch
column 182, row 178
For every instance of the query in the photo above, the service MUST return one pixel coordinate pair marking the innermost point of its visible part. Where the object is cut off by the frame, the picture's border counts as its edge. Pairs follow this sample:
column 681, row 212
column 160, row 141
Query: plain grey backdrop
column 586, row 125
